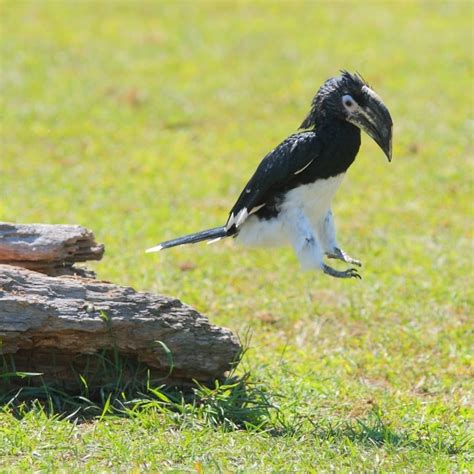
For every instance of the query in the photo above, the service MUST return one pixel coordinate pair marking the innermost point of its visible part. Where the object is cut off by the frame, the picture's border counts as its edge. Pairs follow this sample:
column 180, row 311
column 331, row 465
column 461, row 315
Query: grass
column 143, row 120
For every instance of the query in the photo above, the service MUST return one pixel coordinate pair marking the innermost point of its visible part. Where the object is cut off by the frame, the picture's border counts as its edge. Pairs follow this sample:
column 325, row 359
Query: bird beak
column 375, row 120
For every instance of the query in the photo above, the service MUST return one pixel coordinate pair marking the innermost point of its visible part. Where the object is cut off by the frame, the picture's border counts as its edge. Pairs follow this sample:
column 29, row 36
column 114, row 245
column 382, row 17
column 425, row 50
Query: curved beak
column 375, row 120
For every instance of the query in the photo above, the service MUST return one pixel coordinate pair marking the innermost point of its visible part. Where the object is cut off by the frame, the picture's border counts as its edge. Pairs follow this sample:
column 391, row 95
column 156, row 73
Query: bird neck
column 341, row 145
column 343, row 130
column 336, row 123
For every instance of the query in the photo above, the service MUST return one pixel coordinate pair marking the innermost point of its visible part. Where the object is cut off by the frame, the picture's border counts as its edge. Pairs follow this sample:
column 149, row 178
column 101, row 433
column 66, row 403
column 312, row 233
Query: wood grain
column 60, row 326
column 46, row 248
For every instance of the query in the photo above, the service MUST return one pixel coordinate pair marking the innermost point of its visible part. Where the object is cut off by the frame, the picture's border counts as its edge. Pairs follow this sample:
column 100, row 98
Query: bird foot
column 349, row 273
column 339, row 254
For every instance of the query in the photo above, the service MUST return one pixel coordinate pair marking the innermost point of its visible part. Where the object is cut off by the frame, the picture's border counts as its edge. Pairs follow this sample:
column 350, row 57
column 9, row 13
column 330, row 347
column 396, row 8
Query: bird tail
column 209, row 234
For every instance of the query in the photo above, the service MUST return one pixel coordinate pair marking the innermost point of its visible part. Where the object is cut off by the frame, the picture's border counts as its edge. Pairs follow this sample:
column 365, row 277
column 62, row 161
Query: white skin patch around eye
column 349, row 103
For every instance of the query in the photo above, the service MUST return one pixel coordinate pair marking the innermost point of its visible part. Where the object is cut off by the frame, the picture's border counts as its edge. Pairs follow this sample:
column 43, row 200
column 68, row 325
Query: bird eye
column 349, row 103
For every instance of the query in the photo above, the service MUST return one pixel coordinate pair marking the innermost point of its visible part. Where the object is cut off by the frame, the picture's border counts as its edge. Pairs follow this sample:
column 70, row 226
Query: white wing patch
column 256, row 208
column 241, row 217
column 238, row 219
column 230, row 222
column 304, row 167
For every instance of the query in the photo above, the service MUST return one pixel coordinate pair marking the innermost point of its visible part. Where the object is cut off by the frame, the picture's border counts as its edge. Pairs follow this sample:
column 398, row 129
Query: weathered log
column 63, row 326
column 50, row 249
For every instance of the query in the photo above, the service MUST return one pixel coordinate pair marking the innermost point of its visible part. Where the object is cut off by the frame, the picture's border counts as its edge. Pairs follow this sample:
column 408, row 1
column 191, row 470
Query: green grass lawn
column 143, row 120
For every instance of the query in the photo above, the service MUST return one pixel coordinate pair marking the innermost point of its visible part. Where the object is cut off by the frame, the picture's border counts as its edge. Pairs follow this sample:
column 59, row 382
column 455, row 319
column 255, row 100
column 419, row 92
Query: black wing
column 283, row 167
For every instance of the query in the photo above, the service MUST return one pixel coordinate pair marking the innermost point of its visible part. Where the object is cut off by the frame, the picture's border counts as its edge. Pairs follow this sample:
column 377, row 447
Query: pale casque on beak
column 373, row 117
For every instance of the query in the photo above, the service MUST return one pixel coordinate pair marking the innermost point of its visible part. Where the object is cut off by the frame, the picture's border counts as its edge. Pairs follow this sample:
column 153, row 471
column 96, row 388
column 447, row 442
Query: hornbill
column 288, row 199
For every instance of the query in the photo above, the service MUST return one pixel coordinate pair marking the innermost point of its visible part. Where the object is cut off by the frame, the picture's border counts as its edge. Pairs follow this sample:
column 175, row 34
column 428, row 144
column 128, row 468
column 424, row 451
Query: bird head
column 348, row 97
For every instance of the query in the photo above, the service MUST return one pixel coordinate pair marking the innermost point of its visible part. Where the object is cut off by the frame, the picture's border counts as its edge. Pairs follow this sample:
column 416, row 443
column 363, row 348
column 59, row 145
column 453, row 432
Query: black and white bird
column 288, row 199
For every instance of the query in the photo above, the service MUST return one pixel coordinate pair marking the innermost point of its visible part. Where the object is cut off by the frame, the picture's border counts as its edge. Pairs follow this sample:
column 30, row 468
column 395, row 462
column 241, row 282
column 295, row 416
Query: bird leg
column 305, row 242
column 309, row 251
column 339, row 254
column 349, row 273
column 327, row 235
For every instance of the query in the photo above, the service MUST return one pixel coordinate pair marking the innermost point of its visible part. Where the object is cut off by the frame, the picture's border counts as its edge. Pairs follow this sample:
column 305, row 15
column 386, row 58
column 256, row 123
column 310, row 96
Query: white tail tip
column 154, row 249
column 213, row 240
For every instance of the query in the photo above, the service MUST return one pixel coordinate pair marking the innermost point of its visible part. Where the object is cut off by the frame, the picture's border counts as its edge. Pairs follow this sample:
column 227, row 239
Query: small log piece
column 50, row 249
column 55, row 325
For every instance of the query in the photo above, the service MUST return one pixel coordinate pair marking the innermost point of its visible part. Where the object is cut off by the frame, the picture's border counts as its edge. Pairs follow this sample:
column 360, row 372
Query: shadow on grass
column 128, row 389
column 373, row 431
column 236, row 403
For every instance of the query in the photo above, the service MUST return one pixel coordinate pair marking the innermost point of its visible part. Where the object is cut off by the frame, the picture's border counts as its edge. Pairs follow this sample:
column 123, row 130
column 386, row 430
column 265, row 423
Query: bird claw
column 353, row 273
column 349, row 273
column 353, row 261
column 339, row 254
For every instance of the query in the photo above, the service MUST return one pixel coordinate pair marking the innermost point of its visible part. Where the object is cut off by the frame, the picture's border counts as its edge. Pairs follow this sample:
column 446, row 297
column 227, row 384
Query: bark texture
column 66, row 326
column 50, row 249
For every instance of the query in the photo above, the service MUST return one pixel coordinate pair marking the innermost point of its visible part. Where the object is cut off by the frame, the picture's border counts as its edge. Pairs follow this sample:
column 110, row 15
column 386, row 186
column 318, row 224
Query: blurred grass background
column 143, row 121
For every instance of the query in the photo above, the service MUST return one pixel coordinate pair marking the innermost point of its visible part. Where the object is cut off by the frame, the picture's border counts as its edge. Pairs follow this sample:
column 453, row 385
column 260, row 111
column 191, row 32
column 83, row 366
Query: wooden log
column 50, row 249
column 63, row 326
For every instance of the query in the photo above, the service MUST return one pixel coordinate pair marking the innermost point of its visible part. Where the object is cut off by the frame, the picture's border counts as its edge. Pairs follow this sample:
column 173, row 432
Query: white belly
column 313, row 200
